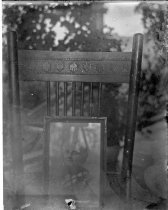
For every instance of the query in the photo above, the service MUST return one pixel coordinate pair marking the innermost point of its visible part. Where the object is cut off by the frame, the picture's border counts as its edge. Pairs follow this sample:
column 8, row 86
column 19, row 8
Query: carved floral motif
column 79, row 67
column 73, row 67
column 60, row 65
column 86, row 67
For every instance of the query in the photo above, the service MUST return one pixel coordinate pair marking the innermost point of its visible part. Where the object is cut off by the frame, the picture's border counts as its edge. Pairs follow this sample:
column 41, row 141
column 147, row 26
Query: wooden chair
column 78, row 68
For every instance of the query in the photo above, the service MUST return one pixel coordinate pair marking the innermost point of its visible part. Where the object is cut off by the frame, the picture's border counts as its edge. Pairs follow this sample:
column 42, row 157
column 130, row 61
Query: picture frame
column 74, row 160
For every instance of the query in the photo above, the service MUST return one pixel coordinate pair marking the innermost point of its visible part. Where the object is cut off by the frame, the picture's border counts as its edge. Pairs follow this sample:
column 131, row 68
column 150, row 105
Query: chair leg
column 128, row 194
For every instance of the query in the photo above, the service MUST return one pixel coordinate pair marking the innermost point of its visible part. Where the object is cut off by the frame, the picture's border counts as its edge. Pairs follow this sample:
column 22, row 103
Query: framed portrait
column 74, row 163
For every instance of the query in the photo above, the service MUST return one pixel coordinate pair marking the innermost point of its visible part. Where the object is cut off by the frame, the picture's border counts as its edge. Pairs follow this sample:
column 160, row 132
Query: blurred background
column 92, row 27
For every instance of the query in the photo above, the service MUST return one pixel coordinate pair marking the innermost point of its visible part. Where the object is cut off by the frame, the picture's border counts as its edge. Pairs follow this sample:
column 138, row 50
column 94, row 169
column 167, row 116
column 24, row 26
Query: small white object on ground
column 25, row 206
column 71, row 203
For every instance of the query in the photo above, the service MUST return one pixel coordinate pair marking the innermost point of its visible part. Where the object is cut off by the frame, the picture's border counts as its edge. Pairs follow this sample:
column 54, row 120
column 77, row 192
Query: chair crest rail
column 74, row 66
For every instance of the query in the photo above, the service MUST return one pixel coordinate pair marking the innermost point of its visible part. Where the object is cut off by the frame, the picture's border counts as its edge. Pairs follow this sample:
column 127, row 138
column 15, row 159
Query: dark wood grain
column 48, row 99
column 99, row 98
column 73, row 98
column 74, row 66
column 91, row 99
column 132, row 108
column 82, row 99
column 57, row 98
column 65, row 98
column 15, row 119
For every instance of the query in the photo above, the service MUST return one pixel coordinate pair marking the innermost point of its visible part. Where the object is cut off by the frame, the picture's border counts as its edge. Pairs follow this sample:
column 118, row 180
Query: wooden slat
column 99, row 98
column 57, row 98
column 91, row 99
column 88, row 102
column 82, row 99
column 48, row 99
column 72, row 66
column 65, row 98
column 73, row 98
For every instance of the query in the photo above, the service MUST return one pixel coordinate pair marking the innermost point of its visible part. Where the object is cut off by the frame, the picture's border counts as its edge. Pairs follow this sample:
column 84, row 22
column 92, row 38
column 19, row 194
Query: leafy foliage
column 36, row 27
column 153, row 89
